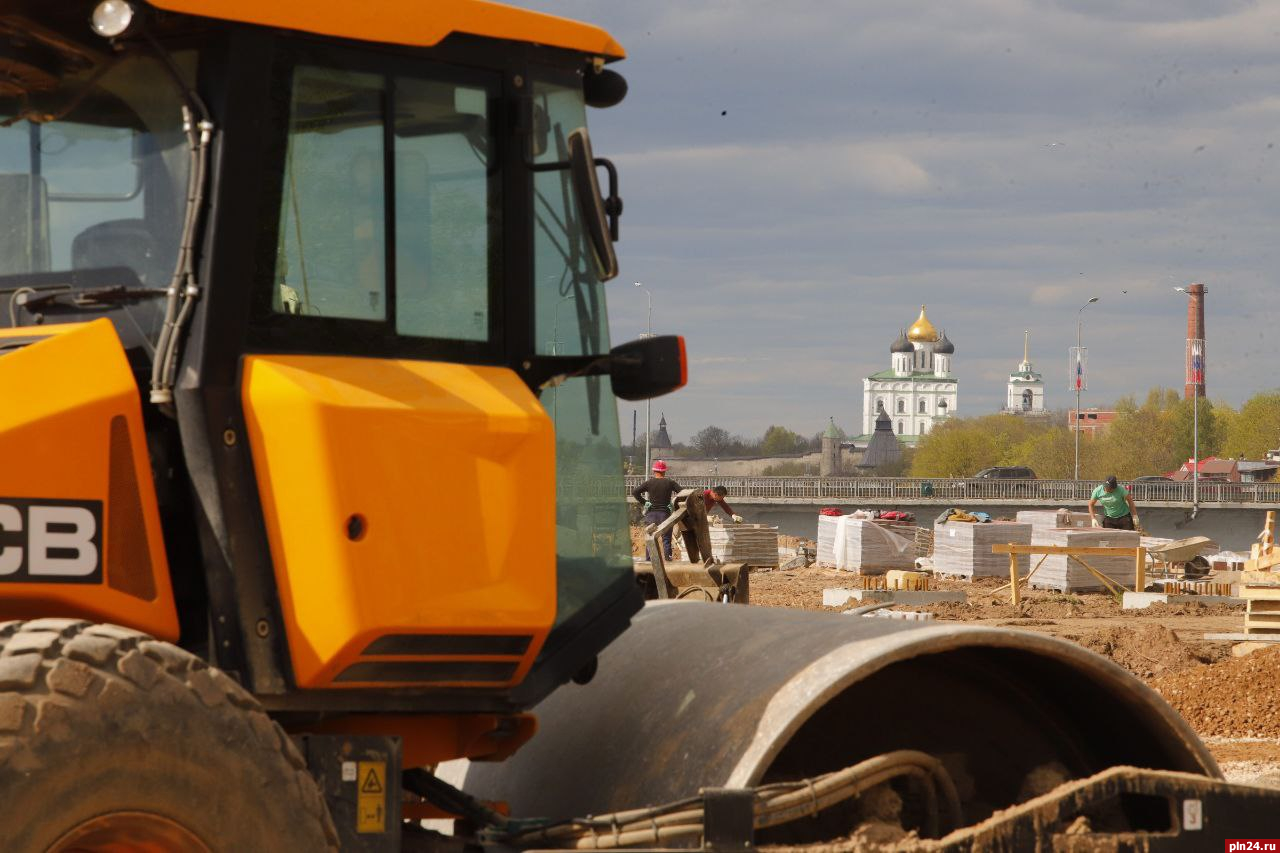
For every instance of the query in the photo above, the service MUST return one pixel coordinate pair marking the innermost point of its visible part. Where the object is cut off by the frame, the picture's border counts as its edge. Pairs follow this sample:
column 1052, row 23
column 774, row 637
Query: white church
column 1025, row 391
column 918, row 390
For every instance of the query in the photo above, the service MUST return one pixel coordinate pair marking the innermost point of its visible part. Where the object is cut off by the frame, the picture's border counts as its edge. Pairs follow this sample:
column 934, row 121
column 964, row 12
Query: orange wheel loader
column 310, row 481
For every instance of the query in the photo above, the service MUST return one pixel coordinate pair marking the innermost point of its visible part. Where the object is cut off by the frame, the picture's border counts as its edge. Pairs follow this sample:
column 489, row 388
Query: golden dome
column 922, row 331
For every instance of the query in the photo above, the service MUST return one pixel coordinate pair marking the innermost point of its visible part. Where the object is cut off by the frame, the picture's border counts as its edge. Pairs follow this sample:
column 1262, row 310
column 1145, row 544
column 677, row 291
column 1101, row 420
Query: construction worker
column 657, row 496
column 714, row 497
column 1118, row 511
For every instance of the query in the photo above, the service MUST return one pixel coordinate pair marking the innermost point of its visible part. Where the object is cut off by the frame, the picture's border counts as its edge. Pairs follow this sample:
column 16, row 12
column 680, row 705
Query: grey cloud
column 1000, row 160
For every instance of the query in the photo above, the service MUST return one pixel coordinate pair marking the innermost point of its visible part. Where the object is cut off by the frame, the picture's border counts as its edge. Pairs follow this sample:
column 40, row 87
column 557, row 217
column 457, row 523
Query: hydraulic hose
column 775, row 804
column 183, row 287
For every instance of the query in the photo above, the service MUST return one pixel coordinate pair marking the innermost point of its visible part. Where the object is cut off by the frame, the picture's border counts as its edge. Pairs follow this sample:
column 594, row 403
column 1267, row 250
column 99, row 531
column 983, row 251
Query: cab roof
column 409, row 22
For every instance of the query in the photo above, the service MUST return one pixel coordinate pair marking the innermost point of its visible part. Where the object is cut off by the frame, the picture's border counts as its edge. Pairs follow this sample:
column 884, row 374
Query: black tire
column 100, row 720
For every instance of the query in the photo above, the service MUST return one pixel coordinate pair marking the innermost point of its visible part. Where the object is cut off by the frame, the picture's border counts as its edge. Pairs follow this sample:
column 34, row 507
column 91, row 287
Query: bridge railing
column 846, row 490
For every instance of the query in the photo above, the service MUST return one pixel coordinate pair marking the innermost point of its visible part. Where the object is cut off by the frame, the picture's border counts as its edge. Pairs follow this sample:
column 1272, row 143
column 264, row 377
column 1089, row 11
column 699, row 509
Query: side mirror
column 648, row 367
column 603, row 88
column 591, row 204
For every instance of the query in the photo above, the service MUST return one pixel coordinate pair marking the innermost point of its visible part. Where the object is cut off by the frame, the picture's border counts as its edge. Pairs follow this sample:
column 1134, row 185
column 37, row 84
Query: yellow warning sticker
column 371, row 796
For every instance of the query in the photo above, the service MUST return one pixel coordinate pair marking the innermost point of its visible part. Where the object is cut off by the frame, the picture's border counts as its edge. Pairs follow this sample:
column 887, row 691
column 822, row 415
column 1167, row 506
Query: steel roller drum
column 710, row 695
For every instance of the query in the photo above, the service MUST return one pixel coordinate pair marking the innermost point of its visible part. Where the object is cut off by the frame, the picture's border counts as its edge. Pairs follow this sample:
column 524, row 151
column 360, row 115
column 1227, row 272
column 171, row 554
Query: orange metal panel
column 71, row 431
column 450, row 470
column 410, row 22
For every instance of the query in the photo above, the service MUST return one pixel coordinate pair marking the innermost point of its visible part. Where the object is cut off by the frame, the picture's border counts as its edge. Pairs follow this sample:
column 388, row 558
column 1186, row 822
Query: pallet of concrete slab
column 963, row 549
column 826, row 538
column 1044, row 520
column 1064, row 572
column 860, row 545
column 753, row 544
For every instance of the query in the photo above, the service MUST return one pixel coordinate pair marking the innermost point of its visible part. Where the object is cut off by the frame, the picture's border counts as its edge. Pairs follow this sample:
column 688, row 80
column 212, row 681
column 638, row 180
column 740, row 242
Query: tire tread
column 49, row 667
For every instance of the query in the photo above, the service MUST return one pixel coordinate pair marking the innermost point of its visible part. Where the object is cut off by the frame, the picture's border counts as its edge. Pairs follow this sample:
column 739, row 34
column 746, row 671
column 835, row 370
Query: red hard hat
column 659, row 465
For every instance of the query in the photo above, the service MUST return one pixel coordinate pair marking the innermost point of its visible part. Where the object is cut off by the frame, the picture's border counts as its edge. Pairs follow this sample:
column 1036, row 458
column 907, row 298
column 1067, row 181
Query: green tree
column 1142, row 440
column 1049, row 452
column 779, row 441
column 1255, row 429
column 957, row 448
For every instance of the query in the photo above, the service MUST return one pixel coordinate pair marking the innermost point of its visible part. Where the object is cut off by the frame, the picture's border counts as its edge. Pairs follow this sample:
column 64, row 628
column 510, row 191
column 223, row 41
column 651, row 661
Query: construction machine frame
column 311, row 485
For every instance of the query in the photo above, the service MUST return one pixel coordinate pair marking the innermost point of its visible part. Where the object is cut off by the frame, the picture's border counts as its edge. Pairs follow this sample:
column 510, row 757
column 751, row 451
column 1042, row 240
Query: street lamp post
column 1079, row 377
column 648, row 333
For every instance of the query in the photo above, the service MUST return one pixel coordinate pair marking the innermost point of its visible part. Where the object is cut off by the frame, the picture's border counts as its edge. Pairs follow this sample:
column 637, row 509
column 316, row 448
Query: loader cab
column 390, row 259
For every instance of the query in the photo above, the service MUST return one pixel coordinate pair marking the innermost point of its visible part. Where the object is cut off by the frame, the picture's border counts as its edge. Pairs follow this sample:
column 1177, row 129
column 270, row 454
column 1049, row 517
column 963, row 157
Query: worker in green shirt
column 1118, row 511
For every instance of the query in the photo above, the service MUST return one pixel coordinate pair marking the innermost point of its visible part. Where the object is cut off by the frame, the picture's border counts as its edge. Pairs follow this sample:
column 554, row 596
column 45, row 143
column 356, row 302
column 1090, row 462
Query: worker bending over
column 657, row 495
column 1118, row 511
column 714, row 496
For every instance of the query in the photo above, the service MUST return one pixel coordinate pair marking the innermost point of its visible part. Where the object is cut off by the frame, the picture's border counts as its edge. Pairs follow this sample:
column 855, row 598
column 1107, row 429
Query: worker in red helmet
column 657, row 495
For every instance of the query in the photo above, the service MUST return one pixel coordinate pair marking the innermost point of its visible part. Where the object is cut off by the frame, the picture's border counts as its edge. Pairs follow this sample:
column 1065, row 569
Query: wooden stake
column 1013, row 579
column 1140, row 570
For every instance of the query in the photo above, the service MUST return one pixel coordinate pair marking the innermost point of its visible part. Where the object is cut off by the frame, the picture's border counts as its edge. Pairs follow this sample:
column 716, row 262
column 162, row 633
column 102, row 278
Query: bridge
column 938, row 491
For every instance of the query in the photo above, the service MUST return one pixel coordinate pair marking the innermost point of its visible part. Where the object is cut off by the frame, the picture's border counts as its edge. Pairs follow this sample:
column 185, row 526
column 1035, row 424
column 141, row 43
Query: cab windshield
column 92, row 179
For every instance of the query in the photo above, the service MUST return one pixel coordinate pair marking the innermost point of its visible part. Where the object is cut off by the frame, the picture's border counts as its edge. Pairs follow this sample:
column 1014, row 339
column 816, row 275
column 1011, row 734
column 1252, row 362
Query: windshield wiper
column 97, row 297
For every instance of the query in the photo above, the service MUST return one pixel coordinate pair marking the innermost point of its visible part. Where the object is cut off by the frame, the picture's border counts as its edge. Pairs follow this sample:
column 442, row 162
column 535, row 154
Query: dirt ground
column 1233, row 703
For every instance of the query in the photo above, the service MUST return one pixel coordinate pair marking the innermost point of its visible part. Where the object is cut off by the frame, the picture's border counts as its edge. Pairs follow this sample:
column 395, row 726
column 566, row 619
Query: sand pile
column 1146, row 651
column 1236, row 697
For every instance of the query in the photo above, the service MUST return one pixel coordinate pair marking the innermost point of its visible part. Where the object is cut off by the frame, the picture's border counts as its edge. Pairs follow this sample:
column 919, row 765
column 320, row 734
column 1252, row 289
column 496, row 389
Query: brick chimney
column 1195, row 330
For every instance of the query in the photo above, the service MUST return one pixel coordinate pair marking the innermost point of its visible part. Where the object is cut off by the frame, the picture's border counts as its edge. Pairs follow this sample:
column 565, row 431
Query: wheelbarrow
column 1181, row 557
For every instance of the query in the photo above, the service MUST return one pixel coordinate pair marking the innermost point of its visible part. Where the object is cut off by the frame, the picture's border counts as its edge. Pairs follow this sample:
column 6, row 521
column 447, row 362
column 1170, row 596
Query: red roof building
column 1225, row 470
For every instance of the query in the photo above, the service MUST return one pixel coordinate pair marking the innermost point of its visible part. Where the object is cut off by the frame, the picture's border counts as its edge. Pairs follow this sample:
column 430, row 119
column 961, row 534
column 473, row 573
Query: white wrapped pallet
column 826, row 539
column 1064, row 574
column 756, row 544
column 862, row 546
column 963, row 549
column 827, row 536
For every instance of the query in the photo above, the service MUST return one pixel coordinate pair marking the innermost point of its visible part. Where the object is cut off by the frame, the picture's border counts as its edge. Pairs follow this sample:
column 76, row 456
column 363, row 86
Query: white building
column 1026, row 387
column 918, row 390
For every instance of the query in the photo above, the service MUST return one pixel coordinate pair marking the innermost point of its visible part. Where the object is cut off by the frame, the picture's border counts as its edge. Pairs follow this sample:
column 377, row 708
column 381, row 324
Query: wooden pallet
column 1260, row 586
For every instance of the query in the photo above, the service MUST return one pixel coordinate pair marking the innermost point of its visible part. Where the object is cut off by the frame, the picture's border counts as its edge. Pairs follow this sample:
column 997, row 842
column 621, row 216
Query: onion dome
column 902, row 344
column 922, row 331
column 944, row 345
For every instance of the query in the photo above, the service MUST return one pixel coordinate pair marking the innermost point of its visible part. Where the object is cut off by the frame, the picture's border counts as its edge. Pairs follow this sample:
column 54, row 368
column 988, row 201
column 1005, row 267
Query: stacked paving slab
column 1044, row 520
column 963, row 549
column 756, row 544
column 1064, row 574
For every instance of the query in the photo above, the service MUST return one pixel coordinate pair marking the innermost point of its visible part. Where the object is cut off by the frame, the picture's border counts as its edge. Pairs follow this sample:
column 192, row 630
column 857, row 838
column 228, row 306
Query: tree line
column 1147, row 438
column 717, row 442
column 1154, row 436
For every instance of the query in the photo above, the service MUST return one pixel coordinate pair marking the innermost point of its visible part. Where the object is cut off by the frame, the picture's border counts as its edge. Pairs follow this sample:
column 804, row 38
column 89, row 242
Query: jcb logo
column 50, row 541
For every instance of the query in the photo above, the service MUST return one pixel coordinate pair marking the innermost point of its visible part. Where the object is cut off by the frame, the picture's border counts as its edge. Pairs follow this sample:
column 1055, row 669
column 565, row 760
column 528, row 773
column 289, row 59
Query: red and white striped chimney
column 1195, row 332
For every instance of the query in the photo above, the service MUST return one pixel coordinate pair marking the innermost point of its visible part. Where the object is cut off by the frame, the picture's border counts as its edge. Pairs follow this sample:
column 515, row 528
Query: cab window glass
column 332, row 254
column 446, row 210
column 396, row 224
column 592, row 544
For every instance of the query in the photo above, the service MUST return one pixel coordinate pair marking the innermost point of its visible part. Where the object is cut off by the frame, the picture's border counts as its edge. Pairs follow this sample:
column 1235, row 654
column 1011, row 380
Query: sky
column 800, row 177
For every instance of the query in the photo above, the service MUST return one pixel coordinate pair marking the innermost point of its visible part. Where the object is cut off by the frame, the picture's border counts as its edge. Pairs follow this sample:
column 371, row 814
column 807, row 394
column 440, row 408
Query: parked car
column 1011, row 472
column 1221, row 489
column 1020, row 473
column 1152, row 478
